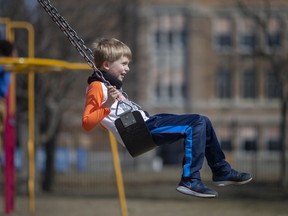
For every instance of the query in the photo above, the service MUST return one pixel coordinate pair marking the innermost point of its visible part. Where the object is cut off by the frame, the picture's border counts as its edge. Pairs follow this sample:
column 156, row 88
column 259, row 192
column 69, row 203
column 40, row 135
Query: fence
column 79, row 170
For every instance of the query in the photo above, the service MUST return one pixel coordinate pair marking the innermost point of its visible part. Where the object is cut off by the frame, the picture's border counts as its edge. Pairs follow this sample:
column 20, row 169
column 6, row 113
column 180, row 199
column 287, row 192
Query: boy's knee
column 200, row 119
column 207, row 120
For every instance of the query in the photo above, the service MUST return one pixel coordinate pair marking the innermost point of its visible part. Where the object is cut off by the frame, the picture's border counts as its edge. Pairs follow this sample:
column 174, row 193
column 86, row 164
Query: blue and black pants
column 199, row 141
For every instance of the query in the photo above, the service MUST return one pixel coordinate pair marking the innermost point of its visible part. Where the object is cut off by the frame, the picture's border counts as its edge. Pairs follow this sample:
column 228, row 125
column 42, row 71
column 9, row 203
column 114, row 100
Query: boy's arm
column 94, row 110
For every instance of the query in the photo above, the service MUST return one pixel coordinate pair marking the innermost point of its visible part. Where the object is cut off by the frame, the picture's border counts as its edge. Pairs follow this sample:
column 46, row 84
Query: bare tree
column 279, row 65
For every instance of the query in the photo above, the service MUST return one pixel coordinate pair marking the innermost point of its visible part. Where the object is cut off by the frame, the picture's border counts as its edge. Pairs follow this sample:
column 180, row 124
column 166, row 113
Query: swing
column 133, row 131
column 130, row 124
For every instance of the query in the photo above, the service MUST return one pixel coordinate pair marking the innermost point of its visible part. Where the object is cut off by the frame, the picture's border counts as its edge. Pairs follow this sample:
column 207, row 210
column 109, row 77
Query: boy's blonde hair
column 109, row 49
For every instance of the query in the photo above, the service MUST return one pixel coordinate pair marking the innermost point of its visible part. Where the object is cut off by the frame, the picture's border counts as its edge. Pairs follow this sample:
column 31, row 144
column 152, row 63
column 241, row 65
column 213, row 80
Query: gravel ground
column 163, row 200
column 59, row 206
column 155, row 195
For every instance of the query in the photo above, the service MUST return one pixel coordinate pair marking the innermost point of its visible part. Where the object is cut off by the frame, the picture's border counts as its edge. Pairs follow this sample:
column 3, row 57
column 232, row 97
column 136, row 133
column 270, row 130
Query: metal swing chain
column 71, row 34
column 79, row 44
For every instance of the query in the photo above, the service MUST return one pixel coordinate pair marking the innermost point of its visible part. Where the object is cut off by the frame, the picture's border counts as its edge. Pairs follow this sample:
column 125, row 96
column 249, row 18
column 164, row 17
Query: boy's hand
column 113, row 94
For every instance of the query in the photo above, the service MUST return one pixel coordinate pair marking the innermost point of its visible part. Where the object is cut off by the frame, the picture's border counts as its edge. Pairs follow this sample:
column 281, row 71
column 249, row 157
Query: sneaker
column 195, row 188
column 234, row 177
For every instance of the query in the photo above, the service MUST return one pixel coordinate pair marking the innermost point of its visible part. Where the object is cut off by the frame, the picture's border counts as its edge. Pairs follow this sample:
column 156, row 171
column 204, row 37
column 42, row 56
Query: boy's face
column 117, row 68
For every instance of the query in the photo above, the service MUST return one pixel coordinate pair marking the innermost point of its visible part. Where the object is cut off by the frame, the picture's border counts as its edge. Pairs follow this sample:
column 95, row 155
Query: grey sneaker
column 195, row 187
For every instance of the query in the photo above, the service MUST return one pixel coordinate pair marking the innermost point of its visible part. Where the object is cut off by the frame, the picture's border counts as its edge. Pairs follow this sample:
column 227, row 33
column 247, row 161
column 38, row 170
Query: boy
column 112, row 57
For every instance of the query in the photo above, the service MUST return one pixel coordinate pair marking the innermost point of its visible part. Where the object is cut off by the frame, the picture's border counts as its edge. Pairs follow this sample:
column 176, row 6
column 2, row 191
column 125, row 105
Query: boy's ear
column 105, row 65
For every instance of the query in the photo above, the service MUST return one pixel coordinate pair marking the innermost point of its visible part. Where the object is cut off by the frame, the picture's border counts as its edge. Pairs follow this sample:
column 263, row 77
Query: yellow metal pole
column 118, row 174
column 31, row 116
column 31, row 141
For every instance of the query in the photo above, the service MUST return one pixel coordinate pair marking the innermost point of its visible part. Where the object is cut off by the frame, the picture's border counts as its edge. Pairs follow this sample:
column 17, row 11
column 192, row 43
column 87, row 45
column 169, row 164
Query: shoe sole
column 225, row 183
column 187, row 191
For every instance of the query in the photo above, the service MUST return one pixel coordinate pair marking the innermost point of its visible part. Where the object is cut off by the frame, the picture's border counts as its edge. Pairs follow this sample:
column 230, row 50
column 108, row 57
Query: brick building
column 203, row 57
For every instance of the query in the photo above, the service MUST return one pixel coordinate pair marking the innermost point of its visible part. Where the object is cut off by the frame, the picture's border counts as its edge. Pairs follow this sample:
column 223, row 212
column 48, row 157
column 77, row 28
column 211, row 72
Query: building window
column 273, row 90
column 250, row 145
column 168, row 53
column 247, row 36
column 247, row 42
column 223, row 35
column 273, row 37
column 249, row 87
column 274, row 145
column 249, row 136
column 223, row 84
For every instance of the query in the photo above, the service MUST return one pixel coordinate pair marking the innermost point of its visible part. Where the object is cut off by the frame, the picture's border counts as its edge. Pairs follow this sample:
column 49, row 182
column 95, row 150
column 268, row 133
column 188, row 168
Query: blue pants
column 199, row 141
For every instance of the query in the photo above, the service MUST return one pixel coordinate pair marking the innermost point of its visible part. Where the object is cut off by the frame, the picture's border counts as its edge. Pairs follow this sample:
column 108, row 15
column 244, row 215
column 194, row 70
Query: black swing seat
column 134, row 133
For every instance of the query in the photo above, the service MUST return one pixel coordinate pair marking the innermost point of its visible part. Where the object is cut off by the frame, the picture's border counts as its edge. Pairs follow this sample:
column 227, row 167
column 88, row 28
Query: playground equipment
column 30, row 66
column 9, row 192
column 21, row 65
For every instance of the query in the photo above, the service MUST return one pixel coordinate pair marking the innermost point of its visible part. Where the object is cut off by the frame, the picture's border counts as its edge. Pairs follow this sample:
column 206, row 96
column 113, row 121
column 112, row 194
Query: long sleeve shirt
column 95, row 111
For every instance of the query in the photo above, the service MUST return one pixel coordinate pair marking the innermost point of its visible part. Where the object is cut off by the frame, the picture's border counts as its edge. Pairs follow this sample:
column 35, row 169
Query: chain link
column 74, row 39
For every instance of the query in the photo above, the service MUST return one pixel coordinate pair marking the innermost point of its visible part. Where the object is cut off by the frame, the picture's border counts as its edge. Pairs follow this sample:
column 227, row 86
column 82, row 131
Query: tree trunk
column 49, row 172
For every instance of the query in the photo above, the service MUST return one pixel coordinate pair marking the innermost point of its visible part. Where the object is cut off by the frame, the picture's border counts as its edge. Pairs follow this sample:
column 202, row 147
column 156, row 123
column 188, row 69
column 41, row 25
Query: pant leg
column 199, row 140
column 168, row 128
column 213, row 152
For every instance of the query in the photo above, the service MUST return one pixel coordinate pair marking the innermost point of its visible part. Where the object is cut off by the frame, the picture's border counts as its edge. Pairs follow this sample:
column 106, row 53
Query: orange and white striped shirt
column 95, row 111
